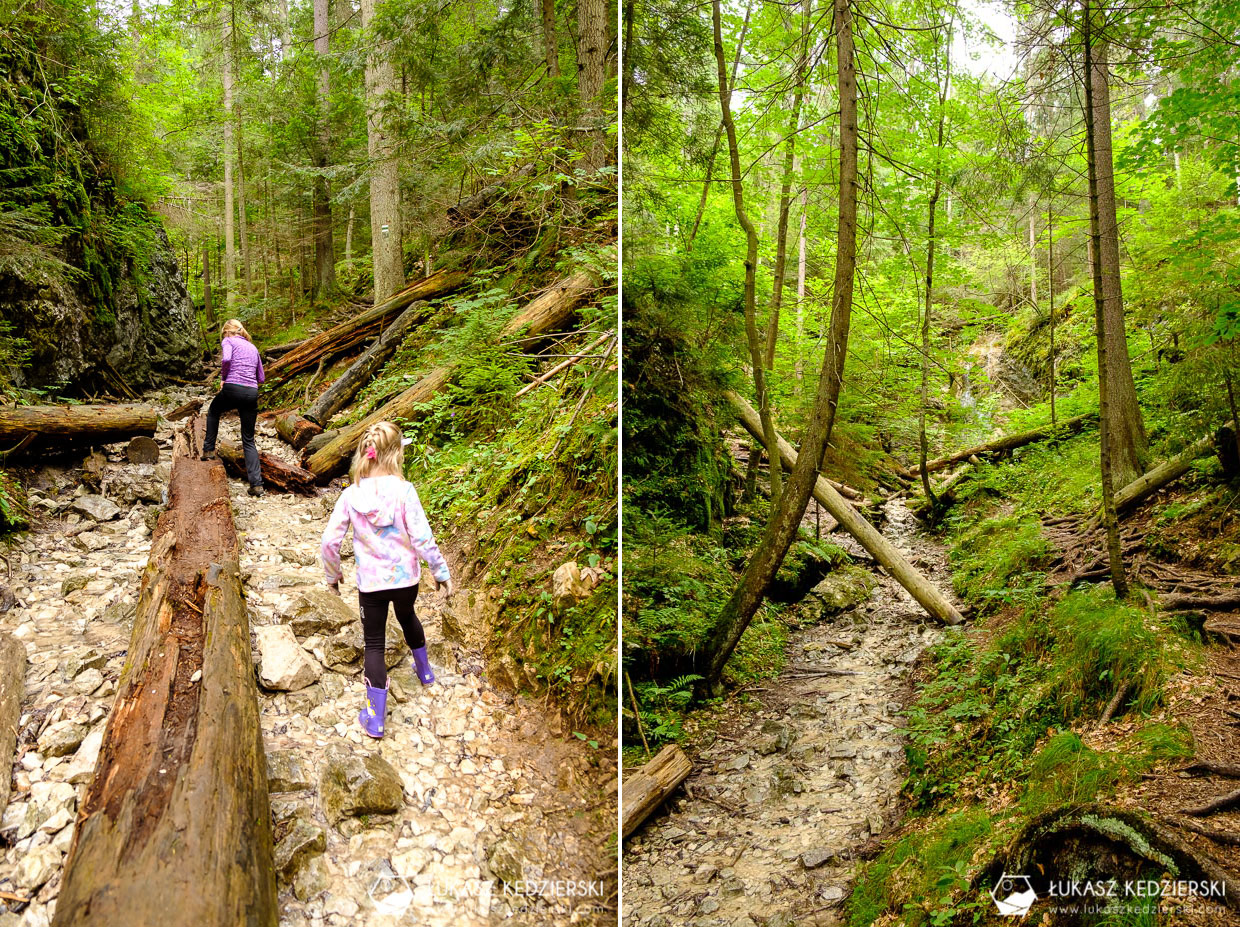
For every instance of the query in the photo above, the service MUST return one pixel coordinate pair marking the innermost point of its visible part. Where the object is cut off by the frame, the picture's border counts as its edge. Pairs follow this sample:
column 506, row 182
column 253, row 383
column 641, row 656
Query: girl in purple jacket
column 241, row 371
column 390, row 535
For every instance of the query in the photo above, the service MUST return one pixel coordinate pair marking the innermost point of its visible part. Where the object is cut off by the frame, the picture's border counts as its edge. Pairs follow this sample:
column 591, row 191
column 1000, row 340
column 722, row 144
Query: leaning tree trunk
column 647, row 788
column 175, row 827
column 349, row 334
column 1166, row 472
column 12, row 688
column 544, row 313
column 781, row 531
column 97, row 424
column 1005, row 443
column 350, row 383
column 882, row 550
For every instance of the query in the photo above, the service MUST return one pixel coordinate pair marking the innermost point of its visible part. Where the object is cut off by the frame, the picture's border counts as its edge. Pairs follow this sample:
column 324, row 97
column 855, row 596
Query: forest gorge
column 412, row 208
column 930, row 457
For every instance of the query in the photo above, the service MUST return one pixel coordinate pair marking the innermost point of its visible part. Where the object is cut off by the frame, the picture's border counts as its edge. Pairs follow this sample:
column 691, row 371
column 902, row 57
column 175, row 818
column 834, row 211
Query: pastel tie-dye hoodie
column 390, row 534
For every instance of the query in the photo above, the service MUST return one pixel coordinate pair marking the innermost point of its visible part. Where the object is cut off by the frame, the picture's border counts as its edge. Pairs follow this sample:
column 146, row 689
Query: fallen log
column 175, row 827
column 193, row 407
column 277, row 474
column 349, row 334
column 903, row 572
column 350, row 383
column 279, row 350
column 470, row 208
column 1149, row 483
column 295, row 430
column 12, row 687
column 1068, row 426
column 102, row 424
column 317, row 443
column 553, row 307
column 647, row 788
column 562, row 365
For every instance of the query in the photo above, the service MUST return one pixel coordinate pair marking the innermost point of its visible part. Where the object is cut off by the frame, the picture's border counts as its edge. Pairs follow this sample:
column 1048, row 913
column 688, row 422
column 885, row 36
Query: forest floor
column 795, row 778
column 504, row 817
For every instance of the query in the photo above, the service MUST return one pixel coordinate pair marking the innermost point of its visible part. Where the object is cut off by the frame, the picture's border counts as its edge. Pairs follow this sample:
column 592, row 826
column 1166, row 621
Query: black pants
column 245, row 400
column 374, row 627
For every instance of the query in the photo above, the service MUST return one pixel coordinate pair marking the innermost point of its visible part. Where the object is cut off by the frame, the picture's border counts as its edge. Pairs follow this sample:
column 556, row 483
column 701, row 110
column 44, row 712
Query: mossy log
column 1068, row 426
column 646, row 788
column 1095, row 843
column 360, row 372
column 12, row 687
column 175, row 827
column 42, row 428
column 351, row 333
column 1166, row 472
column 925, row 592
column 544, row 313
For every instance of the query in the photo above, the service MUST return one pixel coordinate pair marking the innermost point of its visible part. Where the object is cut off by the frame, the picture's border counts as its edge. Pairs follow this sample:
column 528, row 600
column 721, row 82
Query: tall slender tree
column 324, row 248
column 385, row 230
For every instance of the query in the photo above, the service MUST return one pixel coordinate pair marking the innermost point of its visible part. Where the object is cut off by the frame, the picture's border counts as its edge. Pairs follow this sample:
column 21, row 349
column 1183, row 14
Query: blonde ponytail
column 378, row 453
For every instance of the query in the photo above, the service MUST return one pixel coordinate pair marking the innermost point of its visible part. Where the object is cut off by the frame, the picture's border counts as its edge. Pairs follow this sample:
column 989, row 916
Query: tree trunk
column 207, row 306
column 1006, row 443
column 543, row 314
column 350, row 383
column 295, row 430
column 389, row 270
column 12, row 688
column 756, row 358
column 648, row 786
column 592, row 44
column 178, row 805
column 782, row 529
column 551, row 44
column 278, row 475
column 230, row 256
column 1104, row 234
column 1125, row 428
column 99, row 424
column 342, row 338
column 243, row 233
column 286, row 35
column 1050, row 296
column 882, row 550
column 324, row 248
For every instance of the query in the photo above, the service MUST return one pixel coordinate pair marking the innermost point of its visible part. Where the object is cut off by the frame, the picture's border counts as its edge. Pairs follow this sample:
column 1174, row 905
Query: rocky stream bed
column 477, row 806
column 791, row 781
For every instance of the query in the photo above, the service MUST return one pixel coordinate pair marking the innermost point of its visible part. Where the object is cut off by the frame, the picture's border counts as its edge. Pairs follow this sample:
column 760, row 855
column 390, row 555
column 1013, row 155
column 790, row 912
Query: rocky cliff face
column 150, row 337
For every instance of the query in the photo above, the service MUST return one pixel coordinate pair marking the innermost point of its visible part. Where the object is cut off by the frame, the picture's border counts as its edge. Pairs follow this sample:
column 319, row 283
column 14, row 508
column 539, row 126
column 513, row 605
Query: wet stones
column 302, row 840
column 74, row 583
column 283, row 665
column 844, row 589
column 353, row 786
column 287, row 772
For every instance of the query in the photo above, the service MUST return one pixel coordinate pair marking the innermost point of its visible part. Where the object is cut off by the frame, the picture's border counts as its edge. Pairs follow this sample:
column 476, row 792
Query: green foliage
column 14, row 512
column 995, row 561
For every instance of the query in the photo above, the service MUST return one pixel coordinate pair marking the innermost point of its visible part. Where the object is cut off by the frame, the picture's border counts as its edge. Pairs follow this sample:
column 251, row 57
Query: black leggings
column 374, row 627
column 245, row 400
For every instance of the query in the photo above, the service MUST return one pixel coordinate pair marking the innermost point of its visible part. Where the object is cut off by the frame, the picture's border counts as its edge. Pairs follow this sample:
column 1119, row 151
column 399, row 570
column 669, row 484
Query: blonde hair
column 234, row 327
column 384, row 439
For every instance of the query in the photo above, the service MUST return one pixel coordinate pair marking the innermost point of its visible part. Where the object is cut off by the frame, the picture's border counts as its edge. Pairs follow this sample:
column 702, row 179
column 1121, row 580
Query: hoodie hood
column 372, row 502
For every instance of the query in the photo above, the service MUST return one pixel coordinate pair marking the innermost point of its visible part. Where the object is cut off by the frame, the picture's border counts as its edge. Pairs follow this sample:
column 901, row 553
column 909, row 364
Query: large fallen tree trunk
column 543, row 313
column 175, row 827
column 1149, row 483
column 349, row 334
column 646, row 788
column 882, row 550
column 473, row 206
column 12, row 687
column 341, row 393
column 277, row 474
column 93, row 424
column 1068, row 426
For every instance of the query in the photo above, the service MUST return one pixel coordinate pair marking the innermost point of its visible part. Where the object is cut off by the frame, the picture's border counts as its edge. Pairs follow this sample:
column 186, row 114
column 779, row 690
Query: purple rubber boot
column 372, row 715
column 423, row 665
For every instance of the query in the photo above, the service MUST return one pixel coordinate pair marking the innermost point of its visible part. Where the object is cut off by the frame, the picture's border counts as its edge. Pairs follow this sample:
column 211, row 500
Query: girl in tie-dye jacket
column 390, row 536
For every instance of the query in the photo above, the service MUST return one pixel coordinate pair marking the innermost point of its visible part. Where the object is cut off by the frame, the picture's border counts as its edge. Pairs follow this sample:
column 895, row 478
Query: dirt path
column 502, row 818
column 790, row 783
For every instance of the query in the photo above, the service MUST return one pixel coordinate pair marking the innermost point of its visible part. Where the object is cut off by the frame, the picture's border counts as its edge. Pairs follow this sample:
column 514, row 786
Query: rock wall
column 150, row 338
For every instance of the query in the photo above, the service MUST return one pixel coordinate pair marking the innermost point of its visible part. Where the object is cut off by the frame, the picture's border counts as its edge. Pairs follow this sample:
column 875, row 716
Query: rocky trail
column 793, row 783
column 475, row 808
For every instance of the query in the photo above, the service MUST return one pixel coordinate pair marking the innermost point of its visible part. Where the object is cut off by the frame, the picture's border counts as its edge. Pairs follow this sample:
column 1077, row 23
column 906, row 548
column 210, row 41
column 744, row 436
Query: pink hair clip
column 370, row 452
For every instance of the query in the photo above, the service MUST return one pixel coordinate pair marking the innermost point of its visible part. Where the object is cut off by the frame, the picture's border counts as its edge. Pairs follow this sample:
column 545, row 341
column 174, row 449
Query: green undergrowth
column 1005, row 719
